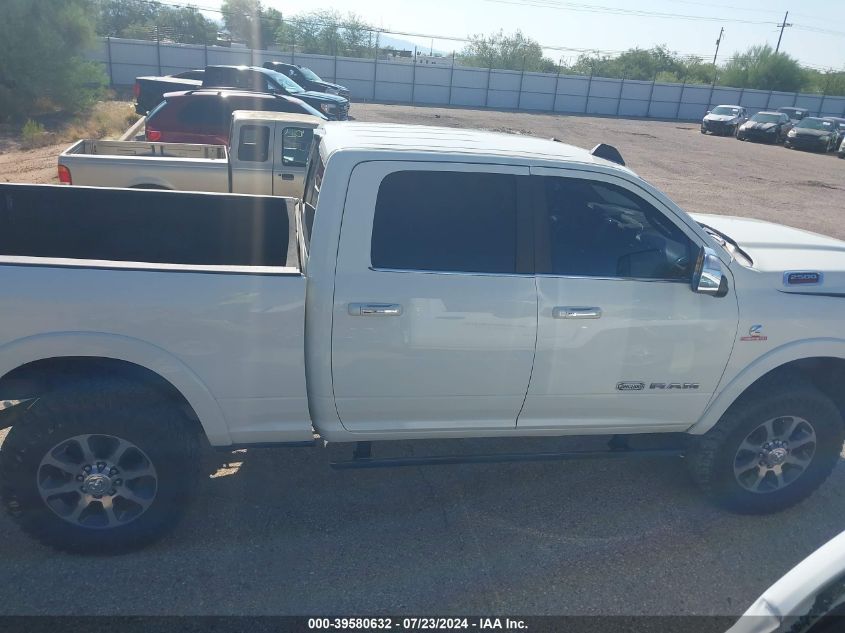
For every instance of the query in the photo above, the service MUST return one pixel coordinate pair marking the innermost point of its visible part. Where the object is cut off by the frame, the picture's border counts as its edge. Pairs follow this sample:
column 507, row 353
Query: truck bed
column 141, row 164
column 204, row 288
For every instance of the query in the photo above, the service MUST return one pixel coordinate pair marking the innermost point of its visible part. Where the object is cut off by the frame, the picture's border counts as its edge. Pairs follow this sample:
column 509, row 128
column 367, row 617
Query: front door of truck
column 435, row 307
column 623, row 342
column 293, row 145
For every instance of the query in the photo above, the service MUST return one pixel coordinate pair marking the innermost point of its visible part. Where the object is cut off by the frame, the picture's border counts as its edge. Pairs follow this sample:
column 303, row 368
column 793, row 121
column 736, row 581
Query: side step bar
column 362, row 457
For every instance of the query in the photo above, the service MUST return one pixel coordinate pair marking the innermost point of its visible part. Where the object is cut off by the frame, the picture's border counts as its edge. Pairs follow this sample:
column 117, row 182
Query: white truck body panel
column 794, row 595
column 232, row 337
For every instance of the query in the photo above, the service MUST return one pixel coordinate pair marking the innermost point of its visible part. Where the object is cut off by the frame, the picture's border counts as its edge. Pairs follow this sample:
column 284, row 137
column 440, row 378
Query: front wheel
column 99, row 468
column 769, row 451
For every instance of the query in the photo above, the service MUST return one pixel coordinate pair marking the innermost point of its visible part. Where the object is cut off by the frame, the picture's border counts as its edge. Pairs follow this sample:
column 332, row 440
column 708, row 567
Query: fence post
column 680, row 99
column 824, row 95
column 158, row 50
column 375, row 68
column 334, row 70
column 451, row 77
column 414, row 79
column 589, row 91
column 521, row 83
column 293, row 48
column 619, row 98
column 111, row 72
column 487, row 90
column 651, row 96
column 205, row 54
column 557, row 83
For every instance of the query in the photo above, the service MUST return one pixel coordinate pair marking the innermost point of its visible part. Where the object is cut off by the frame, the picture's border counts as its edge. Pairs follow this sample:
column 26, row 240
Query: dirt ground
column 107, row 120
column 703, row 174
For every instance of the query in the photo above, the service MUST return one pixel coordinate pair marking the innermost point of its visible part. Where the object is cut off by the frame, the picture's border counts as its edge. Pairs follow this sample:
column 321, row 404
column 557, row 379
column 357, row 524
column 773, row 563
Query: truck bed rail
column 144, row 148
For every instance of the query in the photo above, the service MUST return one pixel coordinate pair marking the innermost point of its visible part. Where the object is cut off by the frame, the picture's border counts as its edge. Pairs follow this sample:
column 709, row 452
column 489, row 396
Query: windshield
column 289, row 84
column 725, row 110
column 765, row 118
column 309, row 74
column 815, row 124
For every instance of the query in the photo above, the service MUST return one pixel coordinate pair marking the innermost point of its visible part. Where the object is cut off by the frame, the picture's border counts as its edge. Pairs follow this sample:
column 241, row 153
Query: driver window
column 595, row 229
column 296, row 145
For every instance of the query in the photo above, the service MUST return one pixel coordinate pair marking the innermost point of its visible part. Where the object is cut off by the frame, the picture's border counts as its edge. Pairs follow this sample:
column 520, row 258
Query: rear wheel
column 101, row 468
column 769, row 451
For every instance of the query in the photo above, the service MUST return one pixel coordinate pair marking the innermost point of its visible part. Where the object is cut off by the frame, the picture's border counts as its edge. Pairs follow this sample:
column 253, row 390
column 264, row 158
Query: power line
column 538, row 3
column 592, row 8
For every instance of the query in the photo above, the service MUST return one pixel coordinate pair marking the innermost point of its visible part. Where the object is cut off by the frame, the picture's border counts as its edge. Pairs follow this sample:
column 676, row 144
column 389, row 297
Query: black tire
column 711, row 456
column 115, row 409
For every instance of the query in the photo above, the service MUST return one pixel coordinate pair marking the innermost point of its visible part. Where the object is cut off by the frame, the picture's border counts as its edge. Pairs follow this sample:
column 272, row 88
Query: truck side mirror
column 708, row 278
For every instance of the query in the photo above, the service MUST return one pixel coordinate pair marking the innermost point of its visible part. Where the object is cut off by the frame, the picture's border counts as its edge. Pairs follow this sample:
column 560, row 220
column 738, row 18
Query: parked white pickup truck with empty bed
column 267, row 158
column 432, row 283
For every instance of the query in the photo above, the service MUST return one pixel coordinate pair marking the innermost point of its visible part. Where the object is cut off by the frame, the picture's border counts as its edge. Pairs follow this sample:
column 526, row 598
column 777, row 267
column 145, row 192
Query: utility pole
column 782, row 27
column 718, row 43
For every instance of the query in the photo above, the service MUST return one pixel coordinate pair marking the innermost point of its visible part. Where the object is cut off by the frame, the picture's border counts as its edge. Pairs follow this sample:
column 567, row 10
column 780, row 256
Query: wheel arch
column 38, row 361
column 821, row 361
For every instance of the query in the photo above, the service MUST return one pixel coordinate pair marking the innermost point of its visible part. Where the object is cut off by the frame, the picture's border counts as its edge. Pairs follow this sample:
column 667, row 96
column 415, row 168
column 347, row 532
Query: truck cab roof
column 287, row 117
column 427, row 140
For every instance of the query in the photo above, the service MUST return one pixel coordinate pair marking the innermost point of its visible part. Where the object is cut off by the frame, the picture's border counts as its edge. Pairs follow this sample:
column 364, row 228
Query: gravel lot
column 279, row 532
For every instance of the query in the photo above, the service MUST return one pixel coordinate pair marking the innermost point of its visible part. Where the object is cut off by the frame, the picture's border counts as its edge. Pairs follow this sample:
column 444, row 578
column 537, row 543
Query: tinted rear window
column 446, row 221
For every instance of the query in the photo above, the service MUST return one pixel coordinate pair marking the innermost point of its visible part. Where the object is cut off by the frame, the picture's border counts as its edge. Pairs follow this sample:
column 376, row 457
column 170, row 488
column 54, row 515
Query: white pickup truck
column 268, row 158
column 432, row 283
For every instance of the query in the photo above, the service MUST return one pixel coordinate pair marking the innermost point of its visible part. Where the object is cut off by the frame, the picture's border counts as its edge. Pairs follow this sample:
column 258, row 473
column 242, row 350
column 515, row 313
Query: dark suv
column 308, row 79
column 204, row 116
column 260, row 79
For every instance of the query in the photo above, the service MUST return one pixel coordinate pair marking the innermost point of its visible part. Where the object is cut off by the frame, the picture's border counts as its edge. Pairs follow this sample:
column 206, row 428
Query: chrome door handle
column 375, row 309
column 565, row 312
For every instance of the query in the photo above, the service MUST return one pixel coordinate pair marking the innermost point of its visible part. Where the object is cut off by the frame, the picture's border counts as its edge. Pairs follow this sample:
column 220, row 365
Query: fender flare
column 797, row 350
column 102, row 345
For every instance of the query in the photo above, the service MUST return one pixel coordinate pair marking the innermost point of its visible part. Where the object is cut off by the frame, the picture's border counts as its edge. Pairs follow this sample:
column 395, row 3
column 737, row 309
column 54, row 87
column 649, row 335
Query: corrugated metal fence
column 405, row 82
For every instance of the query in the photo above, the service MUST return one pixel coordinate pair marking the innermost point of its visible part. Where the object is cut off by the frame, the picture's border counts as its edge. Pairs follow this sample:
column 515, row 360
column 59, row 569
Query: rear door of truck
column 435, row 307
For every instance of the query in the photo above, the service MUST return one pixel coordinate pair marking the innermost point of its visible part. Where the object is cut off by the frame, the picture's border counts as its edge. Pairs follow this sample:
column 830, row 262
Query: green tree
column 41, row 57
column 114, row 17
column 248, row 21
column 829, row 83
column 327, row 33
column 646, row 64
column 761, row 68
column 175, row 24
column 509, row 52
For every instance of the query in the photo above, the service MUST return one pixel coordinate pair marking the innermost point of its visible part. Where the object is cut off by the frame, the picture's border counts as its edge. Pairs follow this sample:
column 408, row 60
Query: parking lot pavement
column 279, row 532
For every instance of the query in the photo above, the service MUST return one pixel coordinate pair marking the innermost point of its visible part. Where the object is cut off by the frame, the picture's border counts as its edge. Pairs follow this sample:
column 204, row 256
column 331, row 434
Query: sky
column 817, row 37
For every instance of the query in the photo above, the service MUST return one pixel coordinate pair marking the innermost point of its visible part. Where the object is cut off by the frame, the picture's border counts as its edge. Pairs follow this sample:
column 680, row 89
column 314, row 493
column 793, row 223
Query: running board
column 497, row 458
